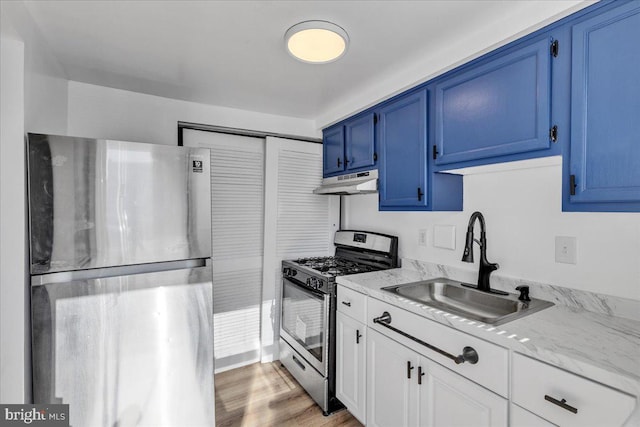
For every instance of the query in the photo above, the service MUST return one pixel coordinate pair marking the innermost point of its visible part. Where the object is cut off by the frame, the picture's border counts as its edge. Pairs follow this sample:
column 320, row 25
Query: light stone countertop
column 597, row 346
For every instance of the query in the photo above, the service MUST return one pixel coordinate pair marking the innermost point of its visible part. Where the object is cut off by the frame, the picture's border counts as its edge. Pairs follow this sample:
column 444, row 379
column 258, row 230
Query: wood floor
column 266, row 395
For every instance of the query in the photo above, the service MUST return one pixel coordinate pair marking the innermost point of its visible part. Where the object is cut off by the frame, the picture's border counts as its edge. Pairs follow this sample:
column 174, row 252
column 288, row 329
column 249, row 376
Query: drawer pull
column 561, row 403
column 348, row 304
column 469, row 354
column 299, row 363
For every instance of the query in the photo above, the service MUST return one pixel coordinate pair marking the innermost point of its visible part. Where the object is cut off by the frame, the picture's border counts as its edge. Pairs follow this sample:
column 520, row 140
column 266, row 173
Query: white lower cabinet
column 408, row 389
column 396, row 371
column 523, row 418
column 351, row 339
column 567, row 399
column 391, row 380
column 452, row 400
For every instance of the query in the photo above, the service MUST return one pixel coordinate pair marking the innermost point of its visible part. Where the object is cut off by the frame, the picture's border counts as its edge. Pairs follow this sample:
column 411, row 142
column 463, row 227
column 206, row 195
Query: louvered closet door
column 298, row 223
column 237, row 215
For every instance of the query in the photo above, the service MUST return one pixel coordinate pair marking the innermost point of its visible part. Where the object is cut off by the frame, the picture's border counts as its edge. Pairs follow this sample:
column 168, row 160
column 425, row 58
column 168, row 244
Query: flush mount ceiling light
column 316, row 42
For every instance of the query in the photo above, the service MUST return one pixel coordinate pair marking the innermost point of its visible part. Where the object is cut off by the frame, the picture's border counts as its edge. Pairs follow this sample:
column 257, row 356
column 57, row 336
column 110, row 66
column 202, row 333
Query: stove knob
column 286, row 271
column 309, row 281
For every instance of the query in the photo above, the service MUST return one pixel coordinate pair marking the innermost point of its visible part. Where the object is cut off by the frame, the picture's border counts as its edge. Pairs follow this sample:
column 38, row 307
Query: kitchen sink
column 453, row 297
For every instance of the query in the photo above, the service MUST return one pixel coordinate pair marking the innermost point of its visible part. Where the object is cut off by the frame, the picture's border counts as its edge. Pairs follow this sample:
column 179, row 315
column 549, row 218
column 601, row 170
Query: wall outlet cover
column 422, row 237
column 444, row 236
column 566, row 250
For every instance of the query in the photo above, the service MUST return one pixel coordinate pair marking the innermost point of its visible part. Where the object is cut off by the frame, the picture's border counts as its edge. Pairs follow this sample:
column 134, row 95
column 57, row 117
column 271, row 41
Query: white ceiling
column 231, row 53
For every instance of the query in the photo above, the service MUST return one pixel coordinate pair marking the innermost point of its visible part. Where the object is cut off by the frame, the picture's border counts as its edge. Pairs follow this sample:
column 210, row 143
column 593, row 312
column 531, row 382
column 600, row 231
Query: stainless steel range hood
column 354, row 183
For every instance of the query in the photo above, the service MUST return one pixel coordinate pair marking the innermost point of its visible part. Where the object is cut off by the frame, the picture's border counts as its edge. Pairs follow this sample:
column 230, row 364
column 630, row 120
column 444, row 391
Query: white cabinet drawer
column 352, row 303
column 491, row 369
column 536, row 386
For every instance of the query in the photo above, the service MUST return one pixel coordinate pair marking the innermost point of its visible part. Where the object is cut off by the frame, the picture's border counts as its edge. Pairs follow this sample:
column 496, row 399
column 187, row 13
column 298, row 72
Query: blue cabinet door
column 333, row 150
column 499, row 106
column 605, row 112
column 360, row 142
column 402, row 135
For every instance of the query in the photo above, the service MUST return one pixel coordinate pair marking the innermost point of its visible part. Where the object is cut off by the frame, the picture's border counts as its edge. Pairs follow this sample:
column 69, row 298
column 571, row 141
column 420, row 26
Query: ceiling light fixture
column 316, row 42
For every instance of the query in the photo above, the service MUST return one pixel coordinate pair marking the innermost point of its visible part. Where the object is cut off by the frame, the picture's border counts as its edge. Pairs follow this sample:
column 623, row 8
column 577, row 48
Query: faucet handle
column 492, row 266
column 524, row 293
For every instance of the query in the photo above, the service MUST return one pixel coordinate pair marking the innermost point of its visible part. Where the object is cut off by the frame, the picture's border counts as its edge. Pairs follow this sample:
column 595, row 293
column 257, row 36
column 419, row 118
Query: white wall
column 33, row 99
column 523, row 213
column 97, row 111
column 45, row 82
column 12, row 251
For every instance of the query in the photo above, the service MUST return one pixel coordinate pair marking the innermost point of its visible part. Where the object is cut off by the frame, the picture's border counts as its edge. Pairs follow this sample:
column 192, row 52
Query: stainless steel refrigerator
column 121, row 281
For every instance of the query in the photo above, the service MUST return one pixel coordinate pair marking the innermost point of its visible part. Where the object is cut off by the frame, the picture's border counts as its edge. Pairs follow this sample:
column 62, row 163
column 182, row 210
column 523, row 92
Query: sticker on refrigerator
column 197, row 166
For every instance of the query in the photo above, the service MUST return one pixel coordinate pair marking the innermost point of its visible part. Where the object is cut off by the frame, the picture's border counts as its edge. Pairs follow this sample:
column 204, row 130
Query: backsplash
column 572, row 298
column 523, row 213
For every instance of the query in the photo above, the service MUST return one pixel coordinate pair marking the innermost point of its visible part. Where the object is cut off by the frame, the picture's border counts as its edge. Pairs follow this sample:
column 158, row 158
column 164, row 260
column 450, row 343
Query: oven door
column 305, row 323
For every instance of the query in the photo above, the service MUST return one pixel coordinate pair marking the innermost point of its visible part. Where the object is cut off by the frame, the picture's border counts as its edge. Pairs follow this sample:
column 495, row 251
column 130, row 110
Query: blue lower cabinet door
column 402, row 136
column 496, row 107
column 605, row 108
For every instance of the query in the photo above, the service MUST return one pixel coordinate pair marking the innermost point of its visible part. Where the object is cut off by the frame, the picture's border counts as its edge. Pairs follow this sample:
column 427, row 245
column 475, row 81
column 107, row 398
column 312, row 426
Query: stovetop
column 334, row 266
column 356, row 252
column 319, row 273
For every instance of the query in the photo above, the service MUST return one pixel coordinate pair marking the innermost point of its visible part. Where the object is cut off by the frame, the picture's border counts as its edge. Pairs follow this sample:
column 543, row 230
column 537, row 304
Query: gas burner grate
column 334, row 266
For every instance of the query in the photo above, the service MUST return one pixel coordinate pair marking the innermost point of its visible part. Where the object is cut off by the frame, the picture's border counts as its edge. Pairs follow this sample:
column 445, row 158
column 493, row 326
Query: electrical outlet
column 566, row 250
column 422, row 237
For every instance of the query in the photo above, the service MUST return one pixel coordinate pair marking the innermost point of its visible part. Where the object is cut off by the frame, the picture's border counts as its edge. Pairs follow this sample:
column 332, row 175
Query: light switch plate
column 566, row 251
column 444, row 236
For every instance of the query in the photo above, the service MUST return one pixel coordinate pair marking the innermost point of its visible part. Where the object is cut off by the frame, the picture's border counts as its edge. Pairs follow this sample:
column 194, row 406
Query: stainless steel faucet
column 486, row 267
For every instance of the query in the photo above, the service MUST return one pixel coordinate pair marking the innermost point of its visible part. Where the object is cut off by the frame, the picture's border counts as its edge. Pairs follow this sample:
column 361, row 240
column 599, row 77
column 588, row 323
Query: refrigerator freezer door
column 100, row 203
column 127, row 350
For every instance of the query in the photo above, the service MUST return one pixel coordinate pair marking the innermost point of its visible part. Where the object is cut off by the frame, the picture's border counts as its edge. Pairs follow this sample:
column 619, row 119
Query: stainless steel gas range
column 307, row 323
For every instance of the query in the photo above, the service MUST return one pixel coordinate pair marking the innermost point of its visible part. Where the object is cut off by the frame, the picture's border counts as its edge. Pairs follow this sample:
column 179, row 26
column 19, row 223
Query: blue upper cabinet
column 402, row 134
column 405, row 182
column 498, row 106
column 350, row 146
column 602, row 168
column 360, row 142
column 333, row 150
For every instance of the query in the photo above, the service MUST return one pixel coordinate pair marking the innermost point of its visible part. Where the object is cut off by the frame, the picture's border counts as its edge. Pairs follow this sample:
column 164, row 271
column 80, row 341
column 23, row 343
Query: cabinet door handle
column 561, row 403
column 409, row 368
column 339, row 162
column 358, row 336
column 347, row 303
column 420, row 375
column 420, row 194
